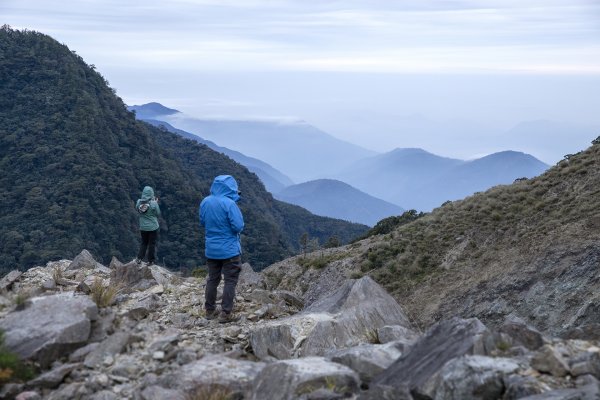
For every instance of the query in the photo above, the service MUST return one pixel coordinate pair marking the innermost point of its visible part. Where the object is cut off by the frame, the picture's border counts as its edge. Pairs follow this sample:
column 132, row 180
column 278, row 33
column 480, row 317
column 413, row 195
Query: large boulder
column 213, row 373
column 347, row 317
column 49, row 327
column 522, row 333
column 131, row 277
column 443, row 342
column 302, row 378
column 470, row 378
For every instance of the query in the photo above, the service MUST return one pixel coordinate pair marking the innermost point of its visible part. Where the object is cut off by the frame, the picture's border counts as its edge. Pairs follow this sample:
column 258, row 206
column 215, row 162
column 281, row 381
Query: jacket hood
column 225, row 185
column 147, row 193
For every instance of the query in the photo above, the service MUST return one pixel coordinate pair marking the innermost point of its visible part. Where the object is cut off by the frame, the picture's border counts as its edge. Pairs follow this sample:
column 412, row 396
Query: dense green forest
column 74, row 160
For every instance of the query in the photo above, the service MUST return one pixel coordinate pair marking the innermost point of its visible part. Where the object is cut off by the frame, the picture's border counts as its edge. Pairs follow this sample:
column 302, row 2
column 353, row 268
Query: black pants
column 148, row 242
column 230, row 268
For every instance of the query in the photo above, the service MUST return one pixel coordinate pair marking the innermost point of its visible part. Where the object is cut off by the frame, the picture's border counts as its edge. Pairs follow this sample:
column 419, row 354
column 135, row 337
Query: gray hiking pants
column 230, row 268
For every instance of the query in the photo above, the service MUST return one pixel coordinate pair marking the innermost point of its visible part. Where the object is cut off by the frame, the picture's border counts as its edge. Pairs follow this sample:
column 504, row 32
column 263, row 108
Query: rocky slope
column 529, row 249
column 150, row 342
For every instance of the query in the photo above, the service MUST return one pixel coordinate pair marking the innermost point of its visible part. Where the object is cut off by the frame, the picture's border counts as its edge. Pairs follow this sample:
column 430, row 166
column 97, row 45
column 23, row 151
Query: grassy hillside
column 74, row 161
column 530, row 248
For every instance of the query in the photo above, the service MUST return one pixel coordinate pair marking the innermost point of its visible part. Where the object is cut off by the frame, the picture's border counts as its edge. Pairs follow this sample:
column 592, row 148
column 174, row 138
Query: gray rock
column 29, row 395
column 10, row 390
column 80, row 354
column 517, row 387
column 395, row 333
column 165, row 341
column 521, row 333
column 49, row 327
column 114, row 263
column 587, row 392
column 348, row 317
column 7, row 280
column 443, row 342
column 83, row 260
column 49, row 284
column 293, row 379
column 548, row 359
column 53, row 378
column 587, row 364
column 249, row 279
column 103, row 326
column 261, row 296
column 290, row 298
column 470, row 378
column 111, row 346
column 214, row 372
column 589, row 331
column 72, row 391
column 131, row 277
column 382, row 392
column 160, row 393
column 367, row 360
column 104, row 395
column 142, row 308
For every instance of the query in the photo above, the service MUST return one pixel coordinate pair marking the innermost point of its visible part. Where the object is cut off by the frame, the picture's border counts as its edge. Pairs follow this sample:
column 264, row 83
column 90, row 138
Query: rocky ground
column 129, row 332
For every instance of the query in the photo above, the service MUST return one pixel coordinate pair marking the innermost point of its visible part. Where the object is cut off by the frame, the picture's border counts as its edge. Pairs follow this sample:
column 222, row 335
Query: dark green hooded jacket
column 148, row 219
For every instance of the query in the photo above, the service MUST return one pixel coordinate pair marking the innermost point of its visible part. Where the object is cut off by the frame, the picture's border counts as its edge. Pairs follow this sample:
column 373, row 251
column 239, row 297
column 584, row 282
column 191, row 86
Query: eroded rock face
column 443, row 342
column 349, row 316
column 301, row 378
column 131, row 276
column 49, row 327
column 7, row 280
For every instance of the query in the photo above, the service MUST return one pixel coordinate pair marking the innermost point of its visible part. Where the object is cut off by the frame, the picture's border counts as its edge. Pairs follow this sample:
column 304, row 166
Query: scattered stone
column 548, row 359
column 587, row 364
column 382, row 392
column 71, row 391
column 589, row 331
column 114, row 263
column 292, row 379
column 49, row 327
column 249, row 279
column 80, row 354
column 142, row 308
column 158, row 355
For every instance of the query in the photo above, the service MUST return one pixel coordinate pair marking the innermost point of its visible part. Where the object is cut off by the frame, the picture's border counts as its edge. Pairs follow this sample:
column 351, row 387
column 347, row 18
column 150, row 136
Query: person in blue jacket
column 223, row 222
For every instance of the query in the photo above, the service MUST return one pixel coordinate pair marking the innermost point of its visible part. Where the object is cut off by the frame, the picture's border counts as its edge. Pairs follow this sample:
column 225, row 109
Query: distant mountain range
column 297, row 149
column 418, row 179
column 337, row 199
column 273, row 179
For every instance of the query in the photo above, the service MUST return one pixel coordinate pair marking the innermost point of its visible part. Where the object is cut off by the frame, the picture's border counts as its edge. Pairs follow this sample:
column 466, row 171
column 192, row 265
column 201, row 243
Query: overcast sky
column 366, row 71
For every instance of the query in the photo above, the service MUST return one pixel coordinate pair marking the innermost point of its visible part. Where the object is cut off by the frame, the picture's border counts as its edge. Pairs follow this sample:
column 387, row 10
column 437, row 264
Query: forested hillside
column 74, row 160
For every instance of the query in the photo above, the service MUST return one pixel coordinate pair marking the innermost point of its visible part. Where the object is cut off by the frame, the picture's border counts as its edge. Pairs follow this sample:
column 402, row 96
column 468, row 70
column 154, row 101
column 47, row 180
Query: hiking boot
column 211, row 314
column 227, row 317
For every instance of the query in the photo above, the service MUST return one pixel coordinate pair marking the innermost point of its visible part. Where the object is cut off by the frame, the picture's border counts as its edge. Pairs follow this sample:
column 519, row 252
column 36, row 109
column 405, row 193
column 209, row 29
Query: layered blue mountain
column 297, row 149
column 74, row 160
column 420, row 180
column 273, row 180
column 336, row 199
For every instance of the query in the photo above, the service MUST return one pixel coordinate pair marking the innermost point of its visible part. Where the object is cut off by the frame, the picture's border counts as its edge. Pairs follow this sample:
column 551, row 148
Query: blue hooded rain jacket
column 222, row 219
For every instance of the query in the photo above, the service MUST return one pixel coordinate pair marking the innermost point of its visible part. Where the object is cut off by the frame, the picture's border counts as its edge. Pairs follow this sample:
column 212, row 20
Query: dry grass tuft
column 102, row 295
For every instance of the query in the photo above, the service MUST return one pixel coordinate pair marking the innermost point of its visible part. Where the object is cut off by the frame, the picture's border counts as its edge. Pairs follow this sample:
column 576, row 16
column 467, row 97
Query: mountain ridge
column 337, row 199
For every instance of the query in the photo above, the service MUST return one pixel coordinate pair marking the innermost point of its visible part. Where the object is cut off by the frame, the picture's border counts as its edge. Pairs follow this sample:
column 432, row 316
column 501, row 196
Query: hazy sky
column 450, row 76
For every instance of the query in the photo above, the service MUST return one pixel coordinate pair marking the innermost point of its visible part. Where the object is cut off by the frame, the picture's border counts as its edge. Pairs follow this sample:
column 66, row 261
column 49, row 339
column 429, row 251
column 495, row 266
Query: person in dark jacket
column 223, row 222
column 149, row 211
